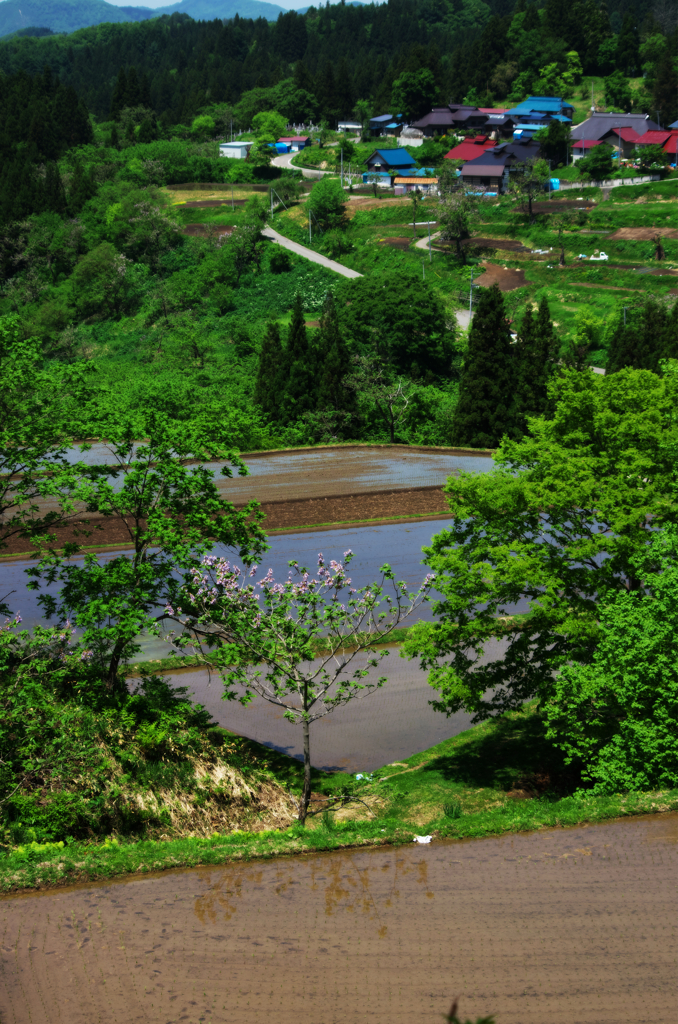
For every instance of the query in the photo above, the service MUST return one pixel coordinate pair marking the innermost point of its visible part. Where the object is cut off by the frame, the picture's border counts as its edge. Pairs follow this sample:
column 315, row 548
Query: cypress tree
column 54, row 192
column 485, row 410
column 298, row 377
column 536, row 353
column 648, row 336
column 119, row 97
column 267, row 386
column 628, row 53
column 334, row 363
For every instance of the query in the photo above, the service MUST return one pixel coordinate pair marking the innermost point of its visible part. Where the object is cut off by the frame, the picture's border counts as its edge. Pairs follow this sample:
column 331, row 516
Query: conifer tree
column 54, row 192
column 486, row 409
column 648, row 336
column 334, row 362
column 119, row 97
column 536, row 353
column 298, row 377
column 268, row 382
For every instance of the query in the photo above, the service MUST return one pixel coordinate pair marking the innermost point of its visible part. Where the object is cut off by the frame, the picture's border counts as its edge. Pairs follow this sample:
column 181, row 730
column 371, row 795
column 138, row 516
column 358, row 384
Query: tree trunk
column 306, row 792
column 113, row 682
column 529, row 207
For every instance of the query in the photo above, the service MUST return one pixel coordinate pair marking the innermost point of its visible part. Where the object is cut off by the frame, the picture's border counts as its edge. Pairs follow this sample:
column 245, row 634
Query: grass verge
column 499, row 777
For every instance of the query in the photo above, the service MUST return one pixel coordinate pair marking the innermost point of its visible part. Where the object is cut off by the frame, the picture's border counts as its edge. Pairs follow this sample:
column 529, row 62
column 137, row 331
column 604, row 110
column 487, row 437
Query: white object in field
column 603, row 256
column 422, row 839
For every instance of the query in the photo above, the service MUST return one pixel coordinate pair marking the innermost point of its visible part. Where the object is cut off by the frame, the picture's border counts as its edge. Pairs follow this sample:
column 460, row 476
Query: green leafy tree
column 485, row 411
column 399, row 319
column 654, row 156
column 554, row 141
column 363, row 111
column 266, row 637
column 617, row 716
column 267, row 127
column 559, row 522
column 327, row 203
column 618, row 92
column 379, row 386
column 102, row 283
column 35, row 402
column 527, row 181
column 599, row 165
column 413, row 94
column 456, row 210
column 171, row 512
column 203, row 127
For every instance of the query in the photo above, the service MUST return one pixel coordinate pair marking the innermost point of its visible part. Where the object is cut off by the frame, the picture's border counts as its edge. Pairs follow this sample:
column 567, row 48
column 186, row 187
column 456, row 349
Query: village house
column 490, row 170
column 600, row 126
column 390, row 162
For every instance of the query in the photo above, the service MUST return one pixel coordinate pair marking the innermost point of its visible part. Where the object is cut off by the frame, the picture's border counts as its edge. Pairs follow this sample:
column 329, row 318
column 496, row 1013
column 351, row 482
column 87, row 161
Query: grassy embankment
column 499, row 777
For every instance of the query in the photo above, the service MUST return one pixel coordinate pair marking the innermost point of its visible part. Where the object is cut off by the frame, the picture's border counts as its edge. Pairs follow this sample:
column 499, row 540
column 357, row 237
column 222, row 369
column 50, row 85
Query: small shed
column 239, row 150
column 414, row 184
column 296, row 142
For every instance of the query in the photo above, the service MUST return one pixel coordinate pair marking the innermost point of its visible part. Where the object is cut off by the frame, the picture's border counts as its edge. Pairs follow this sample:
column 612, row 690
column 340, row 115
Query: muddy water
column 557, row 927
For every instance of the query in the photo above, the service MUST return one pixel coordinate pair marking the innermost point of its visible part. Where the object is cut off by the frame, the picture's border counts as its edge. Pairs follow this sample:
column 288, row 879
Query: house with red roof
column 665, row 138
column 469, row 149
column 623, row 140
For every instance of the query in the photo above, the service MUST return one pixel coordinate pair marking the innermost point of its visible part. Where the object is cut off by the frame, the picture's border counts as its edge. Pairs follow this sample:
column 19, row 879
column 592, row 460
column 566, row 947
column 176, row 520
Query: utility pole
column 232, row 203
column 470, row 298
column 429, row 241
column 310, row 236
column 342, row 166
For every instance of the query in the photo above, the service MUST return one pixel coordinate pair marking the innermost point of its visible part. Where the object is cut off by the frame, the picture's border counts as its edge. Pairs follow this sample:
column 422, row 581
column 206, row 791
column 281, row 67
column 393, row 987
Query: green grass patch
column 499, row 777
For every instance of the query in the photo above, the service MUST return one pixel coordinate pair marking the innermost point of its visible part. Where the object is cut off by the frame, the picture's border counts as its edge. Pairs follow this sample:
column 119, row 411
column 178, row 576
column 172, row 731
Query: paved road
column 285, row 161
column 308, row 254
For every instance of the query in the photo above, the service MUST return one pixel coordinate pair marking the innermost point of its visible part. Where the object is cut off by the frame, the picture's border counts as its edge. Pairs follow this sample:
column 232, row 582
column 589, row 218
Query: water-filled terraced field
column 559, row 926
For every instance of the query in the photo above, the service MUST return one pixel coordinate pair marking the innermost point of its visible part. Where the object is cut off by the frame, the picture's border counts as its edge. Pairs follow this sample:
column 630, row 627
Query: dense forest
column 317, row 65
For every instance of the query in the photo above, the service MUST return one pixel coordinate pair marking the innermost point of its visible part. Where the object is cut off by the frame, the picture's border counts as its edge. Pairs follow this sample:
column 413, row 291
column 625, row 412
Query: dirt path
column 558, row 926
column 284, row 160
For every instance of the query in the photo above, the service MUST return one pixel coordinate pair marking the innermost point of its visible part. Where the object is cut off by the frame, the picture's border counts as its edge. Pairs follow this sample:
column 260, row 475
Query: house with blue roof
column 535, row 105
column 389, row 162
column 386, row 123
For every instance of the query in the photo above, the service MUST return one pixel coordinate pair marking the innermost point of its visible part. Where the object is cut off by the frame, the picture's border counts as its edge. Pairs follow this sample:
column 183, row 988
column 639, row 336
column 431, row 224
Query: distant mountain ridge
column 70, row 15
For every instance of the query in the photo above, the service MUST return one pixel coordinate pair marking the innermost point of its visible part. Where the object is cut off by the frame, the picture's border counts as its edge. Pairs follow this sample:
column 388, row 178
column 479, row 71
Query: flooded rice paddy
column 555, row 927
column 285, row 476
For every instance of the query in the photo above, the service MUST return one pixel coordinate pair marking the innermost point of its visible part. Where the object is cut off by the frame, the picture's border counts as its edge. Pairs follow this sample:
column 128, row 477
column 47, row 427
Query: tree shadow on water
column 511, row 754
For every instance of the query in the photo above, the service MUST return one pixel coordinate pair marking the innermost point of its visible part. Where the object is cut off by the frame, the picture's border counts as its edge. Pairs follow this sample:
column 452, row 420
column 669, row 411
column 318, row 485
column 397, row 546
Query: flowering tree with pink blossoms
column 296, row 643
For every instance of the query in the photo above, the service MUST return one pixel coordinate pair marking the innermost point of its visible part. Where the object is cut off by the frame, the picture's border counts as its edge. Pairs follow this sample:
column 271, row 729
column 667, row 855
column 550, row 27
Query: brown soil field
column 425, row 502
column 182, row 194
column 506, row 278
column 398, row 242
column 510, row 244
column 205, row 230
column 558, row 205
column 560, row 926
column 370, row 203
column 642, row 234
column 202, row 203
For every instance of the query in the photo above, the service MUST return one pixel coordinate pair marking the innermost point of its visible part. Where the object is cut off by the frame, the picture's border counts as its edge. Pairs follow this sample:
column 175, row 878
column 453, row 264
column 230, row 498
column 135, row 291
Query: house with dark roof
column 453, row 118
column 598, row 126
column 502, row 124
column 390, row 162
column 491, row 169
